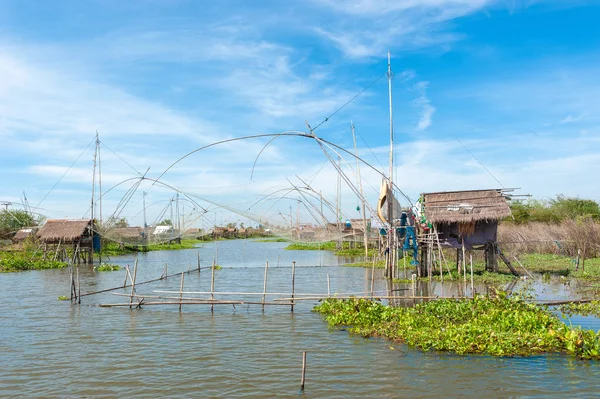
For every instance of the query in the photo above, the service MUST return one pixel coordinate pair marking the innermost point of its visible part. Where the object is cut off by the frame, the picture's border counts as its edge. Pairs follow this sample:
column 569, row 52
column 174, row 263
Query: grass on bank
column 345, row 249
column 115, row 249
column 493, row 325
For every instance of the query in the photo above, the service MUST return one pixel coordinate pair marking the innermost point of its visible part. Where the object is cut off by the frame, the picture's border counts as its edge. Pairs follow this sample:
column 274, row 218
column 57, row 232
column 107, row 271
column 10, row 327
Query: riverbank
column 344, row 250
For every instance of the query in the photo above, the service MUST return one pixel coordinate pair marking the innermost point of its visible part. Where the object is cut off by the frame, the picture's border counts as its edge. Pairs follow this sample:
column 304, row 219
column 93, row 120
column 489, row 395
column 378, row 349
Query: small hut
column 128, row 235
column 23, row 234
column 57, row 235
column 465, row 220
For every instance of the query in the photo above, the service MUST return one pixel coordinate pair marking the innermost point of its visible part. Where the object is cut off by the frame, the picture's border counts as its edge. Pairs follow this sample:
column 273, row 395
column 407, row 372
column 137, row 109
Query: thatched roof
column 65, row 231
column 126, row 232
column 465, row 206
column 23, row 234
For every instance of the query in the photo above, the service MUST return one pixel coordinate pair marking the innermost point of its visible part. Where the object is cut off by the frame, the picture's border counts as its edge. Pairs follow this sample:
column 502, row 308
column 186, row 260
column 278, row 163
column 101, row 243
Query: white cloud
column 368, row 27
column 424, row 103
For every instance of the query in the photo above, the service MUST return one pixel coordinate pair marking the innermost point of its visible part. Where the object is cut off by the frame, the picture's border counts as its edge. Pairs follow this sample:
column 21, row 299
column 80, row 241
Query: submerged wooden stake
column 133, row 282
column 373, row 277
column 265, row 285
column 302, row 380
column 293, row 283
column 328, row 285
column 198, row 262
column 212, row 286
column 181, row 290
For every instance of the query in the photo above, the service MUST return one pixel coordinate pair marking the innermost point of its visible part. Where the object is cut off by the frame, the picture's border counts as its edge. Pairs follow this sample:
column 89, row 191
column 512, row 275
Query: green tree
column 165, row 222
column 12, row 220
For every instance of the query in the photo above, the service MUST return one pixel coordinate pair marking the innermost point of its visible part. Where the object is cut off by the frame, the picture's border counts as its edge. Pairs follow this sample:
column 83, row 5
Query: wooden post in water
column 328, row 285
column 133, row 283
column 212, row 288
column 181, row 290
column 198, row 261
column 303, row 379
column 372, row 277
column 265, row 286
column 293, row 283
column 189, row 268
column 78, row 287
column 126, row 272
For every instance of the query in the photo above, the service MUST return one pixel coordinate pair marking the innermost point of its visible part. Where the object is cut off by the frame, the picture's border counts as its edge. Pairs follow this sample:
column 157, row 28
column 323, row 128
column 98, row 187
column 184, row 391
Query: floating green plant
column 107, row 267
column 63, row 298
column 498, row 325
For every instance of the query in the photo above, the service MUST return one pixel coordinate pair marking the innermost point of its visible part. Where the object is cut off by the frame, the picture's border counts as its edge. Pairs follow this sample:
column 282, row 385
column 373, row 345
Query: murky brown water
column 51, row 348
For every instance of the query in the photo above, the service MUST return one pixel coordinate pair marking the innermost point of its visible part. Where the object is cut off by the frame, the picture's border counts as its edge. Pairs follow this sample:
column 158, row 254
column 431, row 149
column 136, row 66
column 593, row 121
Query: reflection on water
column 54, row 349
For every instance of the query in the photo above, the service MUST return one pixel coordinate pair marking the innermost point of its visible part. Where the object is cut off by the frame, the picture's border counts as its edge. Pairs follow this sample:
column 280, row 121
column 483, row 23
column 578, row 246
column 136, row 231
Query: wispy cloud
column 368, row 28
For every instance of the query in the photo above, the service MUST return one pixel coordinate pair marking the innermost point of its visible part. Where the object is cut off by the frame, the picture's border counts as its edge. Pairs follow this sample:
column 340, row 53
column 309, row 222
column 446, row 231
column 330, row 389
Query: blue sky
column 508, row 84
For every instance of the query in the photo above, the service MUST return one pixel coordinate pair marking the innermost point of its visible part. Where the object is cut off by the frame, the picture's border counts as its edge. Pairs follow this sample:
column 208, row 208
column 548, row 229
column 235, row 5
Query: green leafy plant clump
column 20, row 261
column 494, row 325
column 107, row 267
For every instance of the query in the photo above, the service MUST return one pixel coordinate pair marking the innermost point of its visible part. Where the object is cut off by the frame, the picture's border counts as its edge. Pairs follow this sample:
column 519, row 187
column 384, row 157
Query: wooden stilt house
column 464, row 220
column 67, row 239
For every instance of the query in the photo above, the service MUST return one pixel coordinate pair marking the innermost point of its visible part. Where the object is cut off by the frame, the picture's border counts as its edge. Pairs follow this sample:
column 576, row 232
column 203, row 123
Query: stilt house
column 58, row 235
column 463, row 220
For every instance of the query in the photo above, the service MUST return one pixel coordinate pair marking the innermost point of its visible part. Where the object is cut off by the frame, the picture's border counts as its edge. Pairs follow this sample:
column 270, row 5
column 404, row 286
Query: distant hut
column 128, row 235
column 24, row 234
column 57, row 235
column 463, row 219
column 193, row 232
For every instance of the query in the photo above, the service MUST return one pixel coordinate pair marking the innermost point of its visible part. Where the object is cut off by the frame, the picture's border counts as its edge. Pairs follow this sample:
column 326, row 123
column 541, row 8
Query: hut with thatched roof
column 464, row 220
column 24, row 234
column 61, row 234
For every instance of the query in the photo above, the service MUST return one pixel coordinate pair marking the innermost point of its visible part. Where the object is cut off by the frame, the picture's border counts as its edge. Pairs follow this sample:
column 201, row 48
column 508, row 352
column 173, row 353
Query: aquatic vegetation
column 380, row 264
column 499, row 325
column 63, row 298
column 312, row 246
column 107, row 267
column 13, row 261
column 272, row 240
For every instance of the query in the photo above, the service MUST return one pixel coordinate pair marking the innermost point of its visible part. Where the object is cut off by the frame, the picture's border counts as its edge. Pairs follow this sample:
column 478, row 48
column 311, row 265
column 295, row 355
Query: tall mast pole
column 99, row 174
column 93, row 200
column 391, row 232
column 145, row 243
column 362, row 197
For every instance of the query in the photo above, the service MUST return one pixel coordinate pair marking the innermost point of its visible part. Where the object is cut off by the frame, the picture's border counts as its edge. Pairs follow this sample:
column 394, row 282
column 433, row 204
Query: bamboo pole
column 78, row 287
column 181, row 290
column 126, row 271
column 293, row 284
column 212, row 303
column 373, row 277
column 472, row 286
column 133, row 282
column 198, row 262
column 302, row 381
column 212, row 285
column 265, row 284
column 189, row 268
column 328, row 285
column 464, row 262
column 377, row 297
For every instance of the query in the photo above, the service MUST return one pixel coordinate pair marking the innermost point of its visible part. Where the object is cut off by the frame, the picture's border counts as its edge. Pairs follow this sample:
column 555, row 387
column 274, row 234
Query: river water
column 54, row 349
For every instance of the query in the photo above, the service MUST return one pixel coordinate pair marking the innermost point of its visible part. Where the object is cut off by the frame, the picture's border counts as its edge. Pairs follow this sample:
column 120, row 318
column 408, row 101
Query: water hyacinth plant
column 499, row 325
